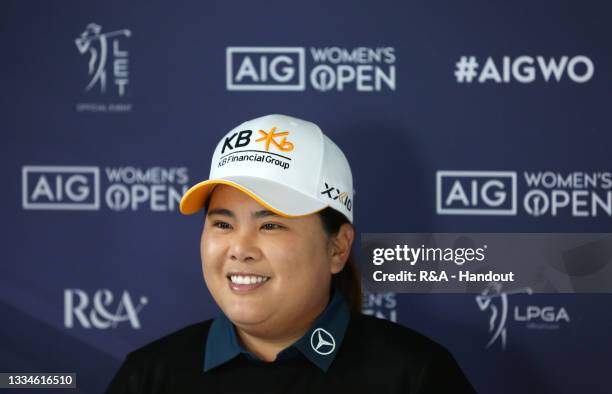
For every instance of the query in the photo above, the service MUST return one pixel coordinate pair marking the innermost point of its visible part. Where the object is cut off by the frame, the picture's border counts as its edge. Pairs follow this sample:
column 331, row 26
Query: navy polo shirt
column 343, row 352
column 319, row 344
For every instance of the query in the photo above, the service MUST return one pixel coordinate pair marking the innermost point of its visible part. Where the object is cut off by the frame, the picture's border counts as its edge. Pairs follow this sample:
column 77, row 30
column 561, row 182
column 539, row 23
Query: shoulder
column 419, row 362
column 181, row 345
column 143, row 367
column 182, row 349
column 392, row 337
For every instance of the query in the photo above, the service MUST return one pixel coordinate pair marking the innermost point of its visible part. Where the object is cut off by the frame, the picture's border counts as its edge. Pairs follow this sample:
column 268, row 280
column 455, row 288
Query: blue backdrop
column 111, row 109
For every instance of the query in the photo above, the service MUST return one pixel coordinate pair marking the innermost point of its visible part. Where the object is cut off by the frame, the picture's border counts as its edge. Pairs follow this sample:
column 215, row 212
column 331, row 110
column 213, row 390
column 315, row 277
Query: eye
column 272, row 226
column 221, row 225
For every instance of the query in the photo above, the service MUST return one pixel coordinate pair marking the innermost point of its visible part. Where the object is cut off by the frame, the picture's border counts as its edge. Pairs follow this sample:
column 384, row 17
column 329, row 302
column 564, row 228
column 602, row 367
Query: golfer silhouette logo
column 94, row 42
column 322, row 342
column 496, row 300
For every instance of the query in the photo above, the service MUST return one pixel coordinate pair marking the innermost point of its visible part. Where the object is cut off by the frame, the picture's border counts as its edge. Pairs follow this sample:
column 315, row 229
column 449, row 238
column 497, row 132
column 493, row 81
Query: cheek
column 212, row 252
column 305, row 263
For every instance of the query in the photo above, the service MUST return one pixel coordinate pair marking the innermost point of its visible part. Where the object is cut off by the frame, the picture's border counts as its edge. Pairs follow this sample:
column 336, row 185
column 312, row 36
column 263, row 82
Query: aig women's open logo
column 543, row 193
column 81, row 188
column 362, row 69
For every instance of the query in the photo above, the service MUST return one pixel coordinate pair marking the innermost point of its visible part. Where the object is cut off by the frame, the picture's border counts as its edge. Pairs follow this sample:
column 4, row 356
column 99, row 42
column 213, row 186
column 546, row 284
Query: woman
column 276, row 257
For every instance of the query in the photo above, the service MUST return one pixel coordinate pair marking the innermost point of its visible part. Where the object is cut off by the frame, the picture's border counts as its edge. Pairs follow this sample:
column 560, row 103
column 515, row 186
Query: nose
column 244, row 248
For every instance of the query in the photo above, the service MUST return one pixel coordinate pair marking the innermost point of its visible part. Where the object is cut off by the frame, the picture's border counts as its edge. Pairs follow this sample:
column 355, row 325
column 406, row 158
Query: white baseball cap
column 286, row 164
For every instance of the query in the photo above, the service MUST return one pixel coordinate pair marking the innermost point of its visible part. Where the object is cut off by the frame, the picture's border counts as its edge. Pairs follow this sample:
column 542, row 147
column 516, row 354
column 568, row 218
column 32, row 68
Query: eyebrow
column 226, row 212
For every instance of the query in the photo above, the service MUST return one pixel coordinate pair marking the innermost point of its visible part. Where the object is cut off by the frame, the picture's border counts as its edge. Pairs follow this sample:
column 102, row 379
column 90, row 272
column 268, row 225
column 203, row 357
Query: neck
column 266, row 349
column 266, row 344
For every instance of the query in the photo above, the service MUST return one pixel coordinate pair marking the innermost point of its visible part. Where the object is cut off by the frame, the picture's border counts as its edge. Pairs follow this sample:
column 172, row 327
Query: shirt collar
column 319, row 344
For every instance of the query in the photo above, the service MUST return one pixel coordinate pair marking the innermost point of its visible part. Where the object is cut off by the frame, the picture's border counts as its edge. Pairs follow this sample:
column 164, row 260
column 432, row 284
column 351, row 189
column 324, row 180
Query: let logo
column 271, row 138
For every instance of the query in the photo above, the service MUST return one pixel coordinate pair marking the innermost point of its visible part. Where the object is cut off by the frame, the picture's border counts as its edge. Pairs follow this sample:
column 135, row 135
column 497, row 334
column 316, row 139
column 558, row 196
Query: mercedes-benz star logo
column 322, row 342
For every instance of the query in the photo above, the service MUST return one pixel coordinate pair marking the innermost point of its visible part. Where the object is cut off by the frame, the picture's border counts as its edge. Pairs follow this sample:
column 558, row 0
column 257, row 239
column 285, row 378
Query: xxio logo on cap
column 335, row 194
column 322, row 342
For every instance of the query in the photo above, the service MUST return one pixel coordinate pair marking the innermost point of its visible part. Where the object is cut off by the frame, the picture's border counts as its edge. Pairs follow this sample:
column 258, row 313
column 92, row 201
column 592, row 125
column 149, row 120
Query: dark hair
column 348, row 281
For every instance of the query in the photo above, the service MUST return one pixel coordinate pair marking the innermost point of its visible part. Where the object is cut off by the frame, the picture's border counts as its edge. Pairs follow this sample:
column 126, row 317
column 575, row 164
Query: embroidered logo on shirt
column 322, row 342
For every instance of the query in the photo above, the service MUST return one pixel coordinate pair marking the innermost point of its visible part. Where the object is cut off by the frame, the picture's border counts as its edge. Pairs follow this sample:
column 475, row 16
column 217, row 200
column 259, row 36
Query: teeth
column 247, row 280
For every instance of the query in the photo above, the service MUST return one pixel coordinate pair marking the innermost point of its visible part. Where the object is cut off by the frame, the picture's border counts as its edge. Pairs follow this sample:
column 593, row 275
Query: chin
column 245, row 317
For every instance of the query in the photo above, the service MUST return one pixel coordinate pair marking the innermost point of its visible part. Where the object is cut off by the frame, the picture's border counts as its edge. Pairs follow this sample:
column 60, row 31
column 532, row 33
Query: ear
column 341, row 244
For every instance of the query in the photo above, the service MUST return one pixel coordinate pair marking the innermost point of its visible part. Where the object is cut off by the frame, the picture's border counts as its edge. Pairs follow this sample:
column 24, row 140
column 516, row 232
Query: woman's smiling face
column 266, row 272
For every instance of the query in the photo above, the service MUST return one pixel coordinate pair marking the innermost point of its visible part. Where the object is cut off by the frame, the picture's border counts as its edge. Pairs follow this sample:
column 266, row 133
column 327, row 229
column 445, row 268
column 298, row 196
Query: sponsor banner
column 517, row 310
column 468, row 263
column 524, row 69
column 381, row 305
column 156, row 189
column 323, row 69
column 531, row 193
column 102, row 309
column 106, row 61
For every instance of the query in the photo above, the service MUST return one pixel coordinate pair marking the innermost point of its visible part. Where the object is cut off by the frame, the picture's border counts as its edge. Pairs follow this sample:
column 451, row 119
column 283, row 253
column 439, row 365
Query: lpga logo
column 95, row 43
column 495, row 300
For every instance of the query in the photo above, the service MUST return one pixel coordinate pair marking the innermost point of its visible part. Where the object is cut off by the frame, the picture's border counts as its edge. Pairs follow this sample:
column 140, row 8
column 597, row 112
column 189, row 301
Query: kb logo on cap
column 283, row 145
column 243, row 138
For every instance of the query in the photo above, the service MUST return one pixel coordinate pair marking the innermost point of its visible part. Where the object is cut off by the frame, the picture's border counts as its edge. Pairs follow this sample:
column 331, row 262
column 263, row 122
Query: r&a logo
column 98, row 315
